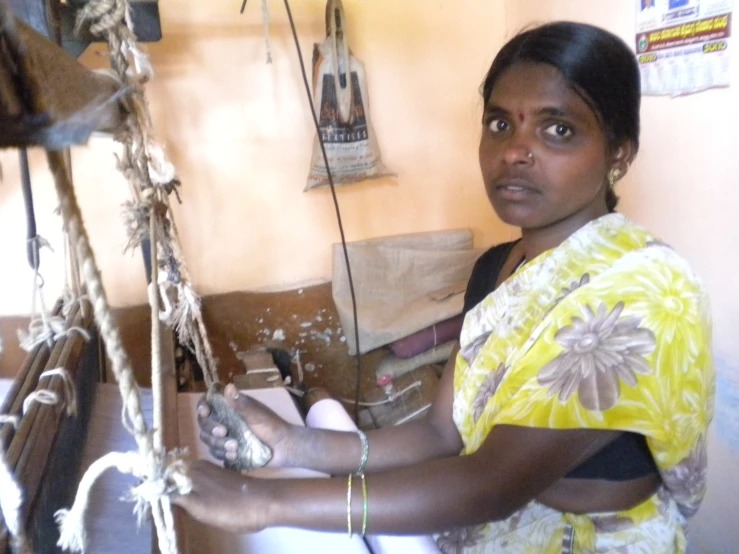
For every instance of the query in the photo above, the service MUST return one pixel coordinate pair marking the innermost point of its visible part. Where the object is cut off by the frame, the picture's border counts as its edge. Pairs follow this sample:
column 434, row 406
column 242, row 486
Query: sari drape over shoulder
column 610, row 330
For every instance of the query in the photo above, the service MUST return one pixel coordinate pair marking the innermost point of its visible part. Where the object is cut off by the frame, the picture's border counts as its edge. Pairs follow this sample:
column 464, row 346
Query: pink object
column 384, row 381
column 426, row 339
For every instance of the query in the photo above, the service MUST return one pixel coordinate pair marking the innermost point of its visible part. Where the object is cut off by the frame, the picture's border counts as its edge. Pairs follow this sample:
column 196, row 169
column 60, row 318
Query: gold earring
column 613, row 176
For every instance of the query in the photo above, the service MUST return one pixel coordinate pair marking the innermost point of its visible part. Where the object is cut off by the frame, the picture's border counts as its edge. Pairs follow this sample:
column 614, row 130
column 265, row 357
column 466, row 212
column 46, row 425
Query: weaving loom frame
column 41, row 442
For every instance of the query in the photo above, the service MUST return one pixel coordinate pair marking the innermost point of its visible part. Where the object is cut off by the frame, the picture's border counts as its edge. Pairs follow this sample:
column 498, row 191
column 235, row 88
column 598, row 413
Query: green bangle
column 364, row 496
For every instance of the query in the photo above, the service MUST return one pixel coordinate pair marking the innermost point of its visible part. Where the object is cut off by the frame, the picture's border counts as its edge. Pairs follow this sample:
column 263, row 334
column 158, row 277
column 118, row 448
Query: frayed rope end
column 72, row 534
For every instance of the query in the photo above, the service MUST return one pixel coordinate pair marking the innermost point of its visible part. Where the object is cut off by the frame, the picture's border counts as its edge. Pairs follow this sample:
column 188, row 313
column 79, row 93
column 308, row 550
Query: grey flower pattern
column 456, row 540
column 487, row 390
column 687, row 480
column 600, row 350
column 612, row 523
column 574, row 285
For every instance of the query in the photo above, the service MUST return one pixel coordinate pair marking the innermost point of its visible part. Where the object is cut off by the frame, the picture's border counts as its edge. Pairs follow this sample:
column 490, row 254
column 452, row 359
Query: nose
column 518, row 154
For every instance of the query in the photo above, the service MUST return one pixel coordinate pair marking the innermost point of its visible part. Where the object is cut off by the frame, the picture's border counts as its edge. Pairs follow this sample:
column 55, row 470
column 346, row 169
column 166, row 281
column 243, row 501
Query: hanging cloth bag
column 342, row 106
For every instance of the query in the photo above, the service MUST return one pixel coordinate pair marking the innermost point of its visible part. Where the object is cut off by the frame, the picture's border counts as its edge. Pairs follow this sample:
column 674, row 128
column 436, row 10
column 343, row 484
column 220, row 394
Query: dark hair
column 599, row 66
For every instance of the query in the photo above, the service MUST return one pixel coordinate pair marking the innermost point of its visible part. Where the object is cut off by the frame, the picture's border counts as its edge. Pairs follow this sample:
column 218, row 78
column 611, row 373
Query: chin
column 519, row 216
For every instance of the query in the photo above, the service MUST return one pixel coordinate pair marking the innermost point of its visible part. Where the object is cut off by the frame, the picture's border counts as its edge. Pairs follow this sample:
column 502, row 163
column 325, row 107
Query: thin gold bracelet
column 349, row 505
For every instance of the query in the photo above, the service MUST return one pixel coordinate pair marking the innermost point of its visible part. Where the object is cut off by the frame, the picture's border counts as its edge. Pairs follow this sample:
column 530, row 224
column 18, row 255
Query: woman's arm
column 434, row 436
column 514, row 465
column 338, row 452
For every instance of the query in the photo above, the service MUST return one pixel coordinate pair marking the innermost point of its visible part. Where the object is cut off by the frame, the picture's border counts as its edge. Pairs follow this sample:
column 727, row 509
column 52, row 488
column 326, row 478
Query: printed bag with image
column 342, row 106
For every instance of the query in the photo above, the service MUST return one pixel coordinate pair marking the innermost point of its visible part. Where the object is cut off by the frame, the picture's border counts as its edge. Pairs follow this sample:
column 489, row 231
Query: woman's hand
column 225, row 499
column 271, row 429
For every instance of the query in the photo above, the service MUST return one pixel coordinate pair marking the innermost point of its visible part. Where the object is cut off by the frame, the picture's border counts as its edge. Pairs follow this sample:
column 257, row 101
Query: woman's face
column 543, row 151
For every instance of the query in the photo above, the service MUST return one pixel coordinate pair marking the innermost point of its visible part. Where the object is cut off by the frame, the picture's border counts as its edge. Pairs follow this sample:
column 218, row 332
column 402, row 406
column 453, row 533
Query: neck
column 536, row 241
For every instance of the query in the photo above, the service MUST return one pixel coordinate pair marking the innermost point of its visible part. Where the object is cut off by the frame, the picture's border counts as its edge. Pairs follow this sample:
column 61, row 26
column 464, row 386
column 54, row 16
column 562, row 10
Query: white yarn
column 14, row 420
column 11, row 499
column 152, row 492
column 11, row 496
column 70, row 392
column 161, row 170
column 71, row 522
column 43, row 396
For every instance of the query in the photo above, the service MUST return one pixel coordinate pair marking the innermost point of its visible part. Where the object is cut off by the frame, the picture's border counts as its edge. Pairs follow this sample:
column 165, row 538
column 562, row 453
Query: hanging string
column 306, row 84
column 265, row 24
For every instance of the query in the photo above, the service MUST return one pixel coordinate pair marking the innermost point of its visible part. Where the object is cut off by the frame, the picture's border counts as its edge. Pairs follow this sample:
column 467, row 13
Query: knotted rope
column 151, row 176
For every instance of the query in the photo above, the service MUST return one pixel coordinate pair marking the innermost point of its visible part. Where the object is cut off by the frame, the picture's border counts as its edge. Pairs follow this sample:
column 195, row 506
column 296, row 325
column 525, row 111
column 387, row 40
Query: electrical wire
column 336, row 207
column 391, row 397
column 32, row 245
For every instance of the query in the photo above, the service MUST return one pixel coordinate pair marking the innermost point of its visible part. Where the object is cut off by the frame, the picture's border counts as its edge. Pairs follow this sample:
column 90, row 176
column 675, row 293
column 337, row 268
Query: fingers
column 214, row 435
column 250, row 409
column 229, row 453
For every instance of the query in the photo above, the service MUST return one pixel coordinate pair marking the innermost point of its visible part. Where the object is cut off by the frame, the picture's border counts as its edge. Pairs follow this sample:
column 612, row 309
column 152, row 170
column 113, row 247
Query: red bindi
column 520, row 117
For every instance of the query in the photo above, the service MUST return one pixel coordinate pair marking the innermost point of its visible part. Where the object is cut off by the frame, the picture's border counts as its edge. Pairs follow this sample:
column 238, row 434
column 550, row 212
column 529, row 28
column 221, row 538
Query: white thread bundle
column 11, row 497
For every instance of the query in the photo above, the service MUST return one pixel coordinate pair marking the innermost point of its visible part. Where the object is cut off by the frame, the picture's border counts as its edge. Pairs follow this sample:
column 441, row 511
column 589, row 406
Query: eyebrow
column 547, row 110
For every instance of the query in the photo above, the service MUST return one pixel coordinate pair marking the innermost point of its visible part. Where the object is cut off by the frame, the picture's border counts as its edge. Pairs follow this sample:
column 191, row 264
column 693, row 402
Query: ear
column 622, row 157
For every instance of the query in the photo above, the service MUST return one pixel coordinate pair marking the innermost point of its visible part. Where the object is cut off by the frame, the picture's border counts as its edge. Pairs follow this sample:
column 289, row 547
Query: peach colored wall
column 240, row 133
column 683, row 187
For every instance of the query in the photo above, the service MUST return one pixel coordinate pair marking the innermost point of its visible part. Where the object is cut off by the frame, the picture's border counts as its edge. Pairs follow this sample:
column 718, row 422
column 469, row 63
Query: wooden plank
column 171, row 428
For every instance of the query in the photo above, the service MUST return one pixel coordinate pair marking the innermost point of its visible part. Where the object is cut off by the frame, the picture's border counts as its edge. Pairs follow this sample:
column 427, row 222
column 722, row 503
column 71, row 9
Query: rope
column 154, row 492
column 147, row 169
column 151, row 462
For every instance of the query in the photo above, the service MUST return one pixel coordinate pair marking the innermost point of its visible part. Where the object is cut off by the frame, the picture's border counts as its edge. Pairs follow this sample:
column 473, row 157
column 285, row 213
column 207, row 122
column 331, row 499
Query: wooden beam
column 171, row 428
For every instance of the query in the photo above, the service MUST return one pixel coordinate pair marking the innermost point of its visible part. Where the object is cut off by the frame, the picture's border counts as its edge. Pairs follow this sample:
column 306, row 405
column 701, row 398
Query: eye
column 498, row 125
column 559, row 130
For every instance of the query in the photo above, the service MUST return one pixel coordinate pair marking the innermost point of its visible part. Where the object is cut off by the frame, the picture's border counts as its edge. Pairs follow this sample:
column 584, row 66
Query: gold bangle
column 349, row 505
column 365, row 510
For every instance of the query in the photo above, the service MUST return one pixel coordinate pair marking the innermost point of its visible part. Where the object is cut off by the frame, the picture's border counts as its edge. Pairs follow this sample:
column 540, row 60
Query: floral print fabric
column 610, row 330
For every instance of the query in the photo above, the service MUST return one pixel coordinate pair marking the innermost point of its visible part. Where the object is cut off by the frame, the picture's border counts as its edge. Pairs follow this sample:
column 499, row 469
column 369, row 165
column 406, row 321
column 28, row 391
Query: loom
column 47, row 99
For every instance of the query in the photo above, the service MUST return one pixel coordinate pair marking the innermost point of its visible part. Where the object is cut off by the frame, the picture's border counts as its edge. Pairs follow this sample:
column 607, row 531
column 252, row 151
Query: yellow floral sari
column 610, row 330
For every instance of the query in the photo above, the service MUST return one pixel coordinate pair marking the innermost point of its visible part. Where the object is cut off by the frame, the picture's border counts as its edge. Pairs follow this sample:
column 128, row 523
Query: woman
column 581, row 394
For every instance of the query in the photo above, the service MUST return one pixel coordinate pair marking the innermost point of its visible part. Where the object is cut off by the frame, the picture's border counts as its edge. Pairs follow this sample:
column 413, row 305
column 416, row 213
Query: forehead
column 527, row 87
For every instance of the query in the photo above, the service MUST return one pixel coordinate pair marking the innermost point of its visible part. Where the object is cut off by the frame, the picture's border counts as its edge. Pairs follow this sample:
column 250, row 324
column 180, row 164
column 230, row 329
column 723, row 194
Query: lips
column 515, row 189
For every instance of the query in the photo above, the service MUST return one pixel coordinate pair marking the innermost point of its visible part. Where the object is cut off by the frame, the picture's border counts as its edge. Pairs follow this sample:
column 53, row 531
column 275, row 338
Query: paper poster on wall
column 683, row 46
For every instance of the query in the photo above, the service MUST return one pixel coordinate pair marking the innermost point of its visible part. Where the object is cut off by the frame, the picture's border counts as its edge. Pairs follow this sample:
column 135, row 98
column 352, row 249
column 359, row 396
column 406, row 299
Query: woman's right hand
column 270, row 428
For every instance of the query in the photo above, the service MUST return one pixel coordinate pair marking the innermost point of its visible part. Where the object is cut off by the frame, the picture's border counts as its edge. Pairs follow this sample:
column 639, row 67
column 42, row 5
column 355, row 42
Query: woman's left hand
column 226, row 499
